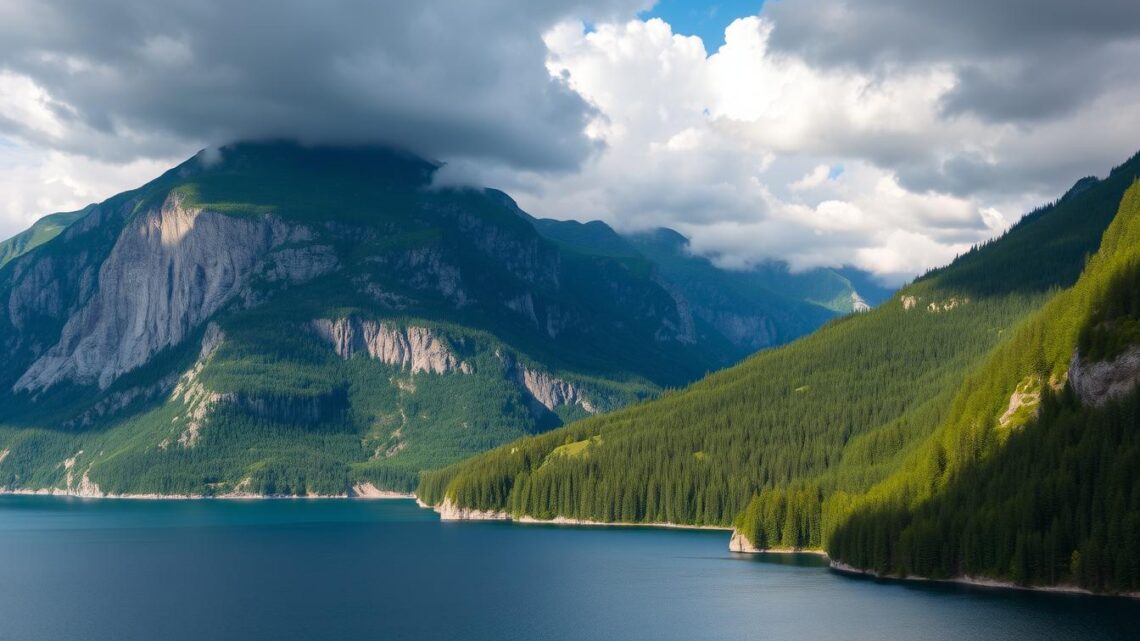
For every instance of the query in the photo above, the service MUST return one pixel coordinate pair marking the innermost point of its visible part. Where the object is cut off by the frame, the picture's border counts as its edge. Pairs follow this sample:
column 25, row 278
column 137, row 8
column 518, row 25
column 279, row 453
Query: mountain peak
column 391, row 165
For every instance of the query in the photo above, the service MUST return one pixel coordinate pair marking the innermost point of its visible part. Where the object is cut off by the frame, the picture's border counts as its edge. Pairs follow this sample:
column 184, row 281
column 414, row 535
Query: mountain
column 39, row 233
column 755, row 308
column 1034, row 475
column 939, row 433
column 292, row 320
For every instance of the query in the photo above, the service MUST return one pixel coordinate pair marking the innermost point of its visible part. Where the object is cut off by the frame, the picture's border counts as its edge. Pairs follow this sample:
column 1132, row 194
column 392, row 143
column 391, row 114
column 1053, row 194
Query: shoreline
column 371, row 495
column 739, row 544
column 977, row 582
column 448, row 511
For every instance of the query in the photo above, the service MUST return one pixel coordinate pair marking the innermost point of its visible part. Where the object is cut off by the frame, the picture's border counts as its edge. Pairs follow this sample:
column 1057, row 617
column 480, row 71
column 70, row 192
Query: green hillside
column 39, row 233
column 1042, row 494
column 758, row 307
column 789, row 443
column 292, row 320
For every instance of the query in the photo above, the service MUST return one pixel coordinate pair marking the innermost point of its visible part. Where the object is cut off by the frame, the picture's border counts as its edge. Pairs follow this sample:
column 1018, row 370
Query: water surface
column 344, row 570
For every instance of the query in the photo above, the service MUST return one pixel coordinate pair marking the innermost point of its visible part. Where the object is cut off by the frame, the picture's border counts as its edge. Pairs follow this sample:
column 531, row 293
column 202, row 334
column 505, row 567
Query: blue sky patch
column 704, row 19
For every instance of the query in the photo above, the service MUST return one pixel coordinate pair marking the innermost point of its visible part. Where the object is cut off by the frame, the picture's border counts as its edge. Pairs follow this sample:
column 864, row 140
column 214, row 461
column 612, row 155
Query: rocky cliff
column 545, row 389
column 1096, row 383
column 170, row 270
column 417, row 349
column 293, row 320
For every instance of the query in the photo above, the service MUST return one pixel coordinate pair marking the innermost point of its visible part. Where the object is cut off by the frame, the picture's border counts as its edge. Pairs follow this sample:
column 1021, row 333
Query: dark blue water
column 343, row 570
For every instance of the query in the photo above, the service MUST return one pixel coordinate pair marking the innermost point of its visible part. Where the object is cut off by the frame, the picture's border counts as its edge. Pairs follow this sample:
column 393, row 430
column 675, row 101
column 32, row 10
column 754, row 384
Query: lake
column 73, row 569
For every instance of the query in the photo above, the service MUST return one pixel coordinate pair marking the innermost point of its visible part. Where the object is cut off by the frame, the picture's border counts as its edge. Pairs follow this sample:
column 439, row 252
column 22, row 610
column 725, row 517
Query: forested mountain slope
column 1035, row 474
column 787, row 444
column 292, row 320
column 761, row 306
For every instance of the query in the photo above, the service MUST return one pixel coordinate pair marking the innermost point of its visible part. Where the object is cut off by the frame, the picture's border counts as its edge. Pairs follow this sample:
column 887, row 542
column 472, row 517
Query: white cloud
column 816, row 135
column 34, row 182
column 736, row 150
column 812, row 179
column 27, row 106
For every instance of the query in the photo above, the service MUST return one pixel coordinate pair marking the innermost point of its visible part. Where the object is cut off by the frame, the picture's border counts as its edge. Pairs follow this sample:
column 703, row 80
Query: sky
column 890, row 135
column 706, row 20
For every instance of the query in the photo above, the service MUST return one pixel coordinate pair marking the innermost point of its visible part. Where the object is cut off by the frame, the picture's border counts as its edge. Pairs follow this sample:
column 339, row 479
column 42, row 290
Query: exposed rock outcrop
column 524, row 255
column 197, row 399
column 1023, row 403
column 753, row 331
column 449, row 511
column 84, row 486
column 37, row 292
column 170, row 269
column 1099, row 382
column 419, row 349
column 684, row 330
column 740, row 543
column 946, row 305
column 118, row 401
column 427, row 269
column 369, row 491
column 544, row 388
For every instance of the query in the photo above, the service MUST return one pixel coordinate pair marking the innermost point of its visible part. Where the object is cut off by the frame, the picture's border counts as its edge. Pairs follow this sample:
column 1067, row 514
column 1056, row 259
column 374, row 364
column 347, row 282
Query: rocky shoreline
column 448, row 511
column 358, row 491
column 980, row 582
column 741, row 545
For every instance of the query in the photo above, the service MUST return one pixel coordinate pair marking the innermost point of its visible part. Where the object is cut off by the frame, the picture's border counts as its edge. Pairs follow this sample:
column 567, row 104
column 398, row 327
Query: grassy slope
column 40, row 232
column 837, row 411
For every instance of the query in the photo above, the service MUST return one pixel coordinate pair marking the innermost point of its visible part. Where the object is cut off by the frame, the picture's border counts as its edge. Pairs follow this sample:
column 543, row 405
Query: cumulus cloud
column 117, row 79
column 736, row 150
column 1021, row 69
column 735, row 147
column 35, row 182
column 888, row 134
column 812, row 179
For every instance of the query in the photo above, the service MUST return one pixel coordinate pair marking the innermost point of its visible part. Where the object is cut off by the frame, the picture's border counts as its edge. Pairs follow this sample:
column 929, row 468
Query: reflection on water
column 794, row 559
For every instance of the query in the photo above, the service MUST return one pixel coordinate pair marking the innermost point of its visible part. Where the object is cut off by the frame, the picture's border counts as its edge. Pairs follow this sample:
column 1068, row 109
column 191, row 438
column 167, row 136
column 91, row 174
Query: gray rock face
column 684, row 330
column 116, row 402
column 752, row 331
column 449, row 511
column 429, row 270
column 37, row 293
column 740, row 544
column 169, row 271
column 1097, row 383
column 416, row 348
column 546, row 389
column 525, row 257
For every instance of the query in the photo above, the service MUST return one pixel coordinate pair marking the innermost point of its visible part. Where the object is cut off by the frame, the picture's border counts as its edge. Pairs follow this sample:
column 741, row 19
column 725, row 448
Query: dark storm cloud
column 1020, row 60
column 1051, row 78
column 841, row 31
column 444, row 78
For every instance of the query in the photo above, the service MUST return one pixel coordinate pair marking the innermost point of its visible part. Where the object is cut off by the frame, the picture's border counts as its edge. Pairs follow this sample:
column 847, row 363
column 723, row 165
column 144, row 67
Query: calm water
column 344, row 570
